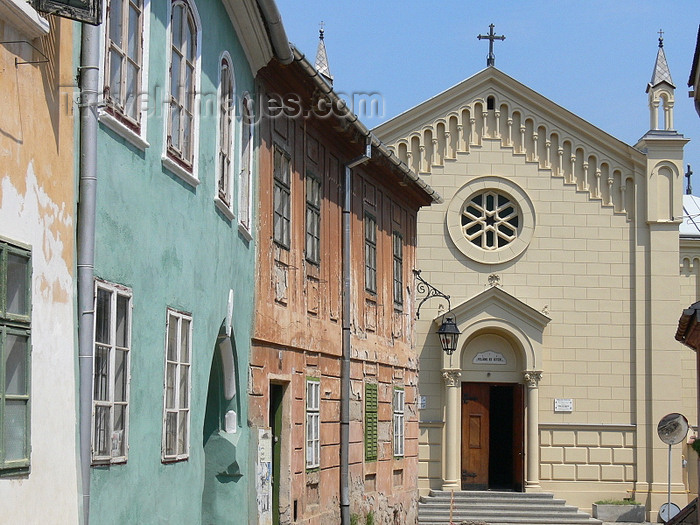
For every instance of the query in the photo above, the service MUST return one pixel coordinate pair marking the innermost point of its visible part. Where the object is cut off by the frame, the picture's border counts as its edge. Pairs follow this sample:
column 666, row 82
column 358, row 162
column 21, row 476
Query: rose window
column 490, row 220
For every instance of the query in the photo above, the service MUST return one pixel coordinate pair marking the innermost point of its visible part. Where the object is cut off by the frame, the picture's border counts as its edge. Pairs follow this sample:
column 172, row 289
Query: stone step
column 502, row 508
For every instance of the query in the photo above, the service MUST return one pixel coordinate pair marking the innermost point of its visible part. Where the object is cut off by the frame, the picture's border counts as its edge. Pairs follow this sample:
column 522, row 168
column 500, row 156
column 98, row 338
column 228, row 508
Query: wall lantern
column 448, row 331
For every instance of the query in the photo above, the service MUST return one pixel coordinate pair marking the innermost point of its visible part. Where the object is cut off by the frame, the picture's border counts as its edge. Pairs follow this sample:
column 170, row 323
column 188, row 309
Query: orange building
column 333, row 368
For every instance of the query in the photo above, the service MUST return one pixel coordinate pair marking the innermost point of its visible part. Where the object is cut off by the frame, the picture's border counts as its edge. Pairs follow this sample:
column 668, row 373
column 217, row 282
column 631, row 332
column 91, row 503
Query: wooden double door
column 493, row 436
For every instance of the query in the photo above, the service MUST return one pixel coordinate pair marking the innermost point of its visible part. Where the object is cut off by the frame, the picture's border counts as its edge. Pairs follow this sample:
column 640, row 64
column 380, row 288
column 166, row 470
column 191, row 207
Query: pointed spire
column 322, row 58
column 661, row 71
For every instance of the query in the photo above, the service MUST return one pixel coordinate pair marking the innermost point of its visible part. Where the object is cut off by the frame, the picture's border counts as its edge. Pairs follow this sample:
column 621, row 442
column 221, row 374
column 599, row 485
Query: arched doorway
column 493, row 414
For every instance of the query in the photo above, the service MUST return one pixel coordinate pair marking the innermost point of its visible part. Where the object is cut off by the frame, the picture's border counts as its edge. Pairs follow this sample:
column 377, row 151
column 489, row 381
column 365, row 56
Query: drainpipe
column 89, row 68
column 345, row 365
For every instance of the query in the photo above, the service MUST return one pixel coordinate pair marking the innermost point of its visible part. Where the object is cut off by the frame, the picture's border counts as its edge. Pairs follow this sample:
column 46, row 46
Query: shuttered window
column 371, row 403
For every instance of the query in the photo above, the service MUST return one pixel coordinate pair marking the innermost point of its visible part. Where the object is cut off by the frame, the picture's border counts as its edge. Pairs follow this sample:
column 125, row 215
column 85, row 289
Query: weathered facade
column 174, row 261
column 37, row 269
column 559, row 247
column 296, row 389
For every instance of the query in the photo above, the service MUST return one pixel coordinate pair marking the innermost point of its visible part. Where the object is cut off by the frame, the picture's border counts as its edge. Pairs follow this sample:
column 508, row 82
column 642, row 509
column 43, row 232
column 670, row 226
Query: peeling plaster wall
column 37, row 195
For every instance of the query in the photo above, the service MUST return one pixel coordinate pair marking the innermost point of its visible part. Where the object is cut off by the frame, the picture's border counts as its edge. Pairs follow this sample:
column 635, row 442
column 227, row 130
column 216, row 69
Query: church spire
column 661, row 71
column 322, row 58
column 661, row 91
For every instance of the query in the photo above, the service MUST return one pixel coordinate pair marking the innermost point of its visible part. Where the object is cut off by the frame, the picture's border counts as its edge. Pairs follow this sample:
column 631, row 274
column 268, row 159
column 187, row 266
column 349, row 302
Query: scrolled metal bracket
column 424, row 287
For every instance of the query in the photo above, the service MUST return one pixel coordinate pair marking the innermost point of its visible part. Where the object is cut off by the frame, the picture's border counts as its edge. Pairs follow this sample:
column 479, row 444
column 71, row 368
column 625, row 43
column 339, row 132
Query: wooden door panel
column 475, row 436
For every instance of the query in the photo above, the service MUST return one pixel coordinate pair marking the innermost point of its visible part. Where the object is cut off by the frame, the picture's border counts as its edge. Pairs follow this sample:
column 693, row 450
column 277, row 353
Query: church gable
column 492, row 111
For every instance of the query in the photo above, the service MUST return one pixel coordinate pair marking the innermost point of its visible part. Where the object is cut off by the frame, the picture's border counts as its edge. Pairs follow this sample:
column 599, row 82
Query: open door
column 518, row 438
column 493, row 436
column 475, row 436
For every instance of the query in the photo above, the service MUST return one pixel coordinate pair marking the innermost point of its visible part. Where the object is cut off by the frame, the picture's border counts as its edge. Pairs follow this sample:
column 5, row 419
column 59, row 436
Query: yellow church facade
column 559, row 248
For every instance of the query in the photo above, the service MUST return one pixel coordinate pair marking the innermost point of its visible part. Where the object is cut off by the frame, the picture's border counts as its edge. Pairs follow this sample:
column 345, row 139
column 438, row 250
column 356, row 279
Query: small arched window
column 225, row 145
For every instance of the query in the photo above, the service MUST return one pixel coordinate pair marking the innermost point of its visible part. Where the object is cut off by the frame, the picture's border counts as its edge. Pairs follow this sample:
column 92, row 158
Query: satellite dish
column 672, row 428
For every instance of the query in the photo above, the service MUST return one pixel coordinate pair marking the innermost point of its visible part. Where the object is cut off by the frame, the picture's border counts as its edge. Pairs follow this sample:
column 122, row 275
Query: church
column 559, row 249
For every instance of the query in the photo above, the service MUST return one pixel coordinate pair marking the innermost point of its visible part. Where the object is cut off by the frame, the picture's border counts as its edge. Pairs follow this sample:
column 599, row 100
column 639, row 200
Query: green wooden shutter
column 370, row 421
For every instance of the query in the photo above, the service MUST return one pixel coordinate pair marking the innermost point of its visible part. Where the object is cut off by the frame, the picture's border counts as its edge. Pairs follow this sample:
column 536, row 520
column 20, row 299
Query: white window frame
column 185, row 168
column 136, row 135
column 228, row 113
column 180, row 453
column 313, row 423
column 115, row 291
column 399, row 407
column 245, row 171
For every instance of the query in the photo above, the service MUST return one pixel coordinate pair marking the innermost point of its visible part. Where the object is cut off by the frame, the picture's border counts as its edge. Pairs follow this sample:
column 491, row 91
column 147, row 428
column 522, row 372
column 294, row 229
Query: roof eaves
column 353, row 120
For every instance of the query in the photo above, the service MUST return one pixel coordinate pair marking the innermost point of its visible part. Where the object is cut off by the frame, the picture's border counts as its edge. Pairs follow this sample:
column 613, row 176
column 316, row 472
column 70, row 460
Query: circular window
column 491, row 220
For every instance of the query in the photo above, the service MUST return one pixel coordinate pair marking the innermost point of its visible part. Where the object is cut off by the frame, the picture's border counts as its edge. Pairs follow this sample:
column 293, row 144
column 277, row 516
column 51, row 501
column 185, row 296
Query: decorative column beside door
column 532, row 475
column 453, row 390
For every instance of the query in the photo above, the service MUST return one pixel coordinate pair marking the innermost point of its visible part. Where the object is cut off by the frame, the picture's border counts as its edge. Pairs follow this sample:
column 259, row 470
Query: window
column 370, row 254
column 226, row 113
column 123, row 60
column 183, row 84
column 15, row 351
column 313, row 423
column 245, row 178
column 111, row 373
column 398, row 269
column 176, row 413
column 399, row 421
column 313, row 219
column 282, row 197
column 490, row 220
column 371, row 403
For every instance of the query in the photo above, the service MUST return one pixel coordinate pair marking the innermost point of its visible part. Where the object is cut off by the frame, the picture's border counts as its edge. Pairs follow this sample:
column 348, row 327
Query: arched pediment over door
column 510, row 322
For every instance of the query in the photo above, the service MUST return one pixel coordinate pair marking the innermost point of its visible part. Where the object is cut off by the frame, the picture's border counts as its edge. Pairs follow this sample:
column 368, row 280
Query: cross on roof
column 661, row 38
column 491, row 58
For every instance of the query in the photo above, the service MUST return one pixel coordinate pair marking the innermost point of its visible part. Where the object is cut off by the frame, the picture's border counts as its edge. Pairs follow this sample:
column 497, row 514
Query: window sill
column 123, row 131
column 14, row 472
column 178, row 459
column 174, row 168
column 22, row 16
column 245, row 232
column 224, row 208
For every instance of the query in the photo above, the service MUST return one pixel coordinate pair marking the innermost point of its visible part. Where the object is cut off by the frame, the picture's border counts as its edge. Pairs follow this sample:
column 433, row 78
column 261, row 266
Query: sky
column 594, row 57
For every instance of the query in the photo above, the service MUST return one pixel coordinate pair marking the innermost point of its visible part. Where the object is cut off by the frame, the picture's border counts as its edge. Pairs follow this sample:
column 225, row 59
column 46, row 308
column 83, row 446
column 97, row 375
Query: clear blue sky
column 594, row 57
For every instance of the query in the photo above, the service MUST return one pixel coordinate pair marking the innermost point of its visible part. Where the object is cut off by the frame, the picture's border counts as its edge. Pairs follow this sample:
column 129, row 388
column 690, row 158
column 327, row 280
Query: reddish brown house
column 333, row 370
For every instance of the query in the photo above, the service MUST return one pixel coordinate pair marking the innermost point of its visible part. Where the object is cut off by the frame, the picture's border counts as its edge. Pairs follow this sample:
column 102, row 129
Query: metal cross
column 491, row 58
column 688, row 174
column 661, row 38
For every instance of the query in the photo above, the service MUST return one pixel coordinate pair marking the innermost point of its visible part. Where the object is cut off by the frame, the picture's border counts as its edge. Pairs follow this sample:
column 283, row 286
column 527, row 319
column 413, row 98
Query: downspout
column 89, row 66
column 345, row 365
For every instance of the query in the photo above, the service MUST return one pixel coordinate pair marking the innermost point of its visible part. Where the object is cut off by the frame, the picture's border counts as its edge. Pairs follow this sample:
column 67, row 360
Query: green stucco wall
column 167, row 241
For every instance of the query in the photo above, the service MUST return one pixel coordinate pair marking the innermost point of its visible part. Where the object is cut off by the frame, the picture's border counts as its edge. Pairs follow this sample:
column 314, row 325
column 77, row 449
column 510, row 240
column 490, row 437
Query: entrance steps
column 502, row 508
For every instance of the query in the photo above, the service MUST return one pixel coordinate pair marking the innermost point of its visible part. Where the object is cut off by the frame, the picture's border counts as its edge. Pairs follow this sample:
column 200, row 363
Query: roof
column 661, row 71
column 696, row 61
column 493, row 80
column 322, row 59
column 343, row 113
column 690, row 227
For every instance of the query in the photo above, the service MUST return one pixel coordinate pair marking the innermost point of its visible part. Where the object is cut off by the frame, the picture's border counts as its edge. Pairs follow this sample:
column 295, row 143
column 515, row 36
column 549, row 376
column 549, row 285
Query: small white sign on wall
column 422, row 402
column 489, row 358
column 563, row 405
